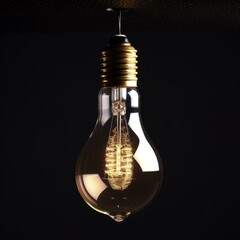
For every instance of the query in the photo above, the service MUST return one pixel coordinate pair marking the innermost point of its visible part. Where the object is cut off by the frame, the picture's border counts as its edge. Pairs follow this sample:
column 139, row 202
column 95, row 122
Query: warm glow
column 119, row 161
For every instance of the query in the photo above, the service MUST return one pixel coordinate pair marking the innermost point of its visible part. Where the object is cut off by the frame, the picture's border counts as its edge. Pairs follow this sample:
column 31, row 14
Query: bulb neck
column 119, row 63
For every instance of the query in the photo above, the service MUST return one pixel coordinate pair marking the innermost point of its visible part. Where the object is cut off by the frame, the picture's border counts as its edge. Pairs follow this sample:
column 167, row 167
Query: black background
column 188, row 82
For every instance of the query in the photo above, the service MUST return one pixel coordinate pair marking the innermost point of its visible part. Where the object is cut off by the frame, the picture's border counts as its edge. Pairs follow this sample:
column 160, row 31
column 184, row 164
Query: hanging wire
column 119, row 17
column 119, row 21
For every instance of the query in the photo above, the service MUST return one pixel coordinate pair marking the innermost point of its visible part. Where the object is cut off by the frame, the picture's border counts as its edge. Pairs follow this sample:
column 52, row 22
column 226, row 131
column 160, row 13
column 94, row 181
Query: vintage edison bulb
column 119, row 171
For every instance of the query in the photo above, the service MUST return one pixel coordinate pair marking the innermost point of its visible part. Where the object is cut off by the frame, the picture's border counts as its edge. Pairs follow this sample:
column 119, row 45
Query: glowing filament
column 119, row 160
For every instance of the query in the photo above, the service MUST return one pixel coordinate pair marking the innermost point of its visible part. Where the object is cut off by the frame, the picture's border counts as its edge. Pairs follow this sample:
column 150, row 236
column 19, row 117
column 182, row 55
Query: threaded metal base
column 119, row 63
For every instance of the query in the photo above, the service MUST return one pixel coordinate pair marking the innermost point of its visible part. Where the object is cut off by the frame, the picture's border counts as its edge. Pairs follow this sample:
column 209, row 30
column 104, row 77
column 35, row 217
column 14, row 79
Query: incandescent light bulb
column 119, row 171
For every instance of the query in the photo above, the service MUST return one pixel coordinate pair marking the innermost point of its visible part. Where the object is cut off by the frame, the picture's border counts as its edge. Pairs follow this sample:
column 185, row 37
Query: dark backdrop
column 188, row 81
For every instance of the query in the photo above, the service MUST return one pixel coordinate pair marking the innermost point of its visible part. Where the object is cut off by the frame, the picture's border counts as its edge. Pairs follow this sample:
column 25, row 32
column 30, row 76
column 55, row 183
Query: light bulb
column 119, row 171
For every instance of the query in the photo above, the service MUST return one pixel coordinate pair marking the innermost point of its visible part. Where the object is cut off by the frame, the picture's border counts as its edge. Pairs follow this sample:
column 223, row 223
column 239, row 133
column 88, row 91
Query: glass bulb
column 118, row 171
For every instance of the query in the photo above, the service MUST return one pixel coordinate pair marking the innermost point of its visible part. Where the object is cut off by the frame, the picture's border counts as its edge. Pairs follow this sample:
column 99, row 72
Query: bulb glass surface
column 118, row 171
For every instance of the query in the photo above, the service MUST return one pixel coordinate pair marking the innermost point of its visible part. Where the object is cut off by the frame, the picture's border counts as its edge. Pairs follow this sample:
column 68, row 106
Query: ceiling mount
column 154, row 15
column 112, row 9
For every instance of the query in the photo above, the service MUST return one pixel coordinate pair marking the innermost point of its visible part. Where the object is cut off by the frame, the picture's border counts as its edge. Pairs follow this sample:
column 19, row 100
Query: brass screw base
column 119, row 65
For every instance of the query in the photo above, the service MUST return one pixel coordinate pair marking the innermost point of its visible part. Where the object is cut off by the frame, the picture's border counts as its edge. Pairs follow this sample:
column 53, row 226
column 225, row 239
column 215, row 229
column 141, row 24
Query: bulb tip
column 118, row 217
